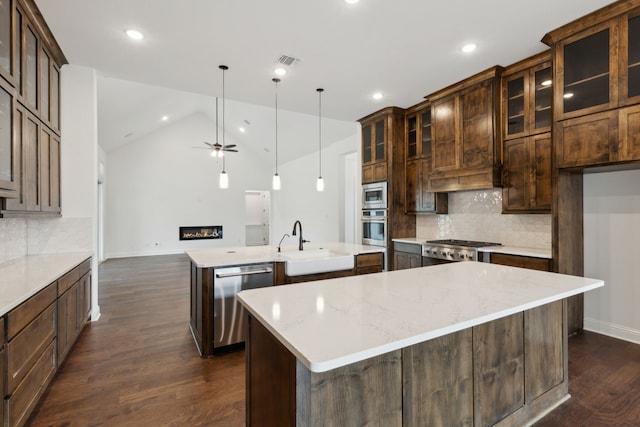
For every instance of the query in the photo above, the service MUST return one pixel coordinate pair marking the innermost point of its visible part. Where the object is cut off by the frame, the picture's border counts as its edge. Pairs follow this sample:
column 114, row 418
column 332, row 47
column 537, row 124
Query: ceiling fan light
column 276, row 185
column 224, row 180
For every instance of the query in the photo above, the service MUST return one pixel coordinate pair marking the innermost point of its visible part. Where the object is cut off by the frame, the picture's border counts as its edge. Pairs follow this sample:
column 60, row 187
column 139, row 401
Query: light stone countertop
column 24, row 277
column 222, row 257
column 331, row 323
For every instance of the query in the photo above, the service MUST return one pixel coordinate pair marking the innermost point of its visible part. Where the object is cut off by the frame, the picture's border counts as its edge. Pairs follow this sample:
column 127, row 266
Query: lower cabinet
column 369, row 263
column 39, row 334
column 406, row 255
column 532, row 263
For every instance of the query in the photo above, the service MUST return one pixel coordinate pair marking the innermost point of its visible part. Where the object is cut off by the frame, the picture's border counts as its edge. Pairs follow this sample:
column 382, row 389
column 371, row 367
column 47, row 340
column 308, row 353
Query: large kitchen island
column 459, row 344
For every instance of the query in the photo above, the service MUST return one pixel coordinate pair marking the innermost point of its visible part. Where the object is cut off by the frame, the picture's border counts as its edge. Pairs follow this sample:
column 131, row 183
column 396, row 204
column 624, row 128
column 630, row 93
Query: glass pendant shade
column 224, row 180
column 320, row 184
column 276, row 182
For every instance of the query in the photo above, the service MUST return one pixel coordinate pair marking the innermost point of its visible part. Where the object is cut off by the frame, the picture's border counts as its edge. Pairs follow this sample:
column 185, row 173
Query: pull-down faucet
column 300, row 239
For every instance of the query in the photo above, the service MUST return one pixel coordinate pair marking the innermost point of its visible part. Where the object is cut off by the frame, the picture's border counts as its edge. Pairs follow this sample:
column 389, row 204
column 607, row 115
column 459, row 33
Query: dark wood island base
column 506, row 372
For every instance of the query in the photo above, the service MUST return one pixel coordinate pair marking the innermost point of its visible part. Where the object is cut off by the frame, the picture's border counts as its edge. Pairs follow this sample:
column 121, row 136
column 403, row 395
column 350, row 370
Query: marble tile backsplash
column 59, row 235
column 20, row 237
column 13, row 238
column 477, row 215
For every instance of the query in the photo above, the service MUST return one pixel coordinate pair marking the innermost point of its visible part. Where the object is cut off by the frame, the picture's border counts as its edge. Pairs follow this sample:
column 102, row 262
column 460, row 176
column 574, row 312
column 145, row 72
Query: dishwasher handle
column 244, row 273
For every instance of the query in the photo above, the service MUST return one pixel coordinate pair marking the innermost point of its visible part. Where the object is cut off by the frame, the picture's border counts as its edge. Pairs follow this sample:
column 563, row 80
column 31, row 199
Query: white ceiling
column 404, row 48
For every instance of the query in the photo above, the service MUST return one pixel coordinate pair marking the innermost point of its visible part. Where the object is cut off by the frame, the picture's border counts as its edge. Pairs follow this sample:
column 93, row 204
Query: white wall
column 159, row 183
column 611, row 236
column 477, row 215
column 321, row 213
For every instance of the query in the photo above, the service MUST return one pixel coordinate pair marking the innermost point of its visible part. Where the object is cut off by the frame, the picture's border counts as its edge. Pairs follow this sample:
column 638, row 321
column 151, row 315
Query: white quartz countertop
column 331, row 323
column 518, row 250
column 221, row 257
column 24, row 277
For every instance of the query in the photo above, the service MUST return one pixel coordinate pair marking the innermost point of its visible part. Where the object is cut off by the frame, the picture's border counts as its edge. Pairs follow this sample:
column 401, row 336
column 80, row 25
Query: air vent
column 289, row 61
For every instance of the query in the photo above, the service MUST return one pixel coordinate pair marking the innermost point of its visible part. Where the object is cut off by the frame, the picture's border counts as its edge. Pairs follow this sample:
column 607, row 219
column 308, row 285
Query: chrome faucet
column 285, row 235
column 300, row 239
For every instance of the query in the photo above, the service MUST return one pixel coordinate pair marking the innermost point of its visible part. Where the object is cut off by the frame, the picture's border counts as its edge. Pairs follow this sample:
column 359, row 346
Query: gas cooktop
column 466, row 243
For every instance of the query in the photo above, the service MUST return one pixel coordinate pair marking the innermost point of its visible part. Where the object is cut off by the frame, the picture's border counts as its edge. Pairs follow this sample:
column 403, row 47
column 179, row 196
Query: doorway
column 257, row 217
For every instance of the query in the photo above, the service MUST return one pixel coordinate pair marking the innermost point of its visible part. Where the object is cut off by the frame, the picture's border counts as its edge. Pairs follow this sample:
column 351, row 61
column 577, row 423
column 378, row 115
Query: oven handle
column 366, row 219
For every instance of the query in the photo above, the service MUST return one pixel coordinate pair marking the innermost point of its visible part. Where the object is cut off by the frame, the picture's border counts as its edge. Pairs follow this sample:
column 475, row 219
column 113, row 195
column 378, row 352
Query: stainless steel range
column 451, row 250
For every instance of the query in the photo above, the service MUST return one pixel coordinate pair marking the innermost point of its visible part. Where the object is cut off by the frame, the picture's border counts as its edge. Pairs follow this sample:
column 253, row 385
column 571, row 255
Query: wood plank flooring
column 138, row 365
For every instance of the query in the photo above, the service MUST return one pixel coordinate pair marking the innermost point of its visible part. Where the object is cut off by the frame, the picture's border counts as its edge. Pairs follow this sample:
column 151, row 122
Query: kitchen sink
column 315, row 261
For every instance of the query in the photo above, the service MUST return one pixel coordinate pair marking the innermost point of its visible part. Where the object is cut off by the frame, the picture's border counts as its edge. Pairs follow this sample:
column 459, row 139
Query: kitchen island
column 216, row 319
column 454, row 344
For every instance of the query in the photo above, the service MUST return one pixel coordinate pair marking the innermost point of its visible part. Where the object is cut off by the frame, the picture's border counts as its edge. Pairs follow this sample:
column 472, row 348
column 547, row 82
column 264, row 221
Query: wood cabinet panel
column 68, row 280
column 532, row 263
column 342, row 396
column 438, row 381
column 418, row 199
column 21, row 316
column 26, row 347
column 588, row 140
column 629, row 134
column 498, row 369
column 25, row 398
column 445, row 133
column 404, row 260
column 543, row 346
column 527, row 175
column 369, row 263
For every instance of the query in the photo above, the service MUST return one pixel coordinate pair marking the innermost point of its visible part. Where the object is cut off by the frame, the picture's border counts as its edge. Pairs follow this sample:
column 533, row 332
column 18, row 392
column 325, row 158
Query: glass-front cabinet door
column 6, row 153
column 5, row 39
column 542, row 98
column 587, row 71
column 630, row 59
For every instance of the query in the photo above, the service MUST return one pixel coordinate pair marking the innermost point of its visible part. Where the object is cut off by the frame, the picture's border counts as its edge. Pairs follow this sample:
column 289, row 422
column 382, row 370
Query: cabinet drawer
column 407, row 247
column 1, row 333
column 22, row 315
column 84, row 267
column 24, row 399
column 532, row 263
column 66, row 281
column 27, row 346
column 368, row 260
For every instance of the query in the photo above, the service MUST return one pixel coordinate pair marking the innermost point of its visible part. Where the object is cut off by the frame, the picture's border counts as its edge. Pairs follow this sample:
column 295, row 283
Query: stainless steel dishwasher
column 229, row 317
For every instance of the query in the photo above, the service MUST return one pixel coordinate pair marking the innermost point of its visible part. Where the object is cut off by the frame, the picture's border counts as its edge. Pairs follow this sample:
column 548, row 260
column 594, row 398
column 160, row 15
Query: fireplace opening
column 201, row 232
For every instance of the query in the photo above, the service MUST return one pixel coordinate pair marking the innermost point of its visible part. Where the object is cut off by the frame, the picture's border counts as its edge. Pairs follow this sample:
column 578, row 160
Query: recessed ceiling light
column 568, row 95
column 134, row 34
column 280, row 71
column 165, row 118
column 546, row 83
column 377, row 96
column 468, row 48
column 351, row 1
column 241, row 129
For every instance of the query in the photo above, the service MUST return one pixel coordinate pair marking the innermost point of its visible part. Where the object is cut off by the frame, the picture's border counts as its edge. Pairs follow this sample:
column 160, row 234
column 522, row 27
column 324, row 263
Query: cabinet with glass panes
column 527, row 90
column 597, row 87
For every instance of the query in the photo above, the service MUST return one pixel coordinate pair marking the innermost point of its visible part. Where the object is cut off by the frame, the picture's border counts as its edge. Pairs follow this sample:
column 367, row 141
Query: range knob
column 470, row 257
column 461, row 255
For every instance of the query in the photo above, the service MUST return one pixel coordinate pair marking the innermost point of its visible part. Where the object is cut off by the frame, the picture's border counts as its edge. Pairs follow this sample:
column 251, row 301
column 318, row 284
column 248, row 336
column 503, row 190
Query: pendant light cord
column 223, row 132
column 320, row 90
column 276, row 80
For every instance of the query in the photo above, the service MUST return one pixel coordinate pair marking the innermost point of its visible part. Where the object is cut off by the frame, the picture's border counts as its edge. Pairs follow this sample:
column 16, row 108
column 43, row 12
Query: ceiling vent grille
column 289, row 61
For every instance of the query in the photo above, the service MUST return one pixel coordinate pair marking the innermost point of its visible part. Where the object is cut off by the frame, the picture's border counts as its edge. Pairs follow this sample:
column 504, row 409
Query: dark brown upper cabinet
column 380, row 131
column 597, row 87
column 418, row 163
column 466, row 134
column 526, row 104
column 526, row 97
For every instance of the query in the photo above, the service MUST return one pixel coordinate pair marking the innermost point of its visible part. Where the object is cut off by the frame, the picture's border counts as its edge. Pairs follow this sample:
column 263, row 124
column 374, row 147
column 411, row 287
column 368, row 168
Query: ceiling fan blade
column 229, row 146
column 232, row 151
column 209, row 144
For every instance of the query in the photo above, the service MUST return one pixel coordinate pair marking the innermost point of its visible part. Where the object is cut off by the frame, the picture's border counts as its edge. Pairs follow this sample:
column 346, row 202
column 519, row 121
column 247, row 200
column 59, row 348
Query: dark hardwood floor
column 138, row 365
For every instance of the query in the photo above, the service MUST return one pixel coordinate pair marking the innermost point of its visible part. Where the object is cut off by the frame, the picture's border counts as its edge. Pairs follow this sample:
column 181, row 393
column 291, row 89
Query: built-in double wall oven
column 374, row 214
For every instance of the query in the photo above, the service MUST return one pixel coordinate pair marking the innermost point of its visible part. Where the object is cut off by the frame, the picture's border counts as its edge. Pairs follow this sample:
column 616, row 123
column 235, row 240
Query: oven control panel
column 449, row 253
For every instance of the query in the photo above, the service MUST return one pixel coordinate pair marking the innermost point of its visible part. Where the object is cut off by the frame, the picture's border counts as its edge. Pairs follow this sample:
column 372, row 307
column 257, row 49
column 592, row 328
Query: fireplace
column 201, row 232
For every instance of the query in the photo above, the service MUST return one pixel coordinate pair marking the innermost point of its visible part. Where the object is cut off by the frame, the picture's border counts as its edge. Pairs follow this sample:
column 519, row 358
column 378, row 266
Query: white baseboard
column 135, row 254
column 612, row 330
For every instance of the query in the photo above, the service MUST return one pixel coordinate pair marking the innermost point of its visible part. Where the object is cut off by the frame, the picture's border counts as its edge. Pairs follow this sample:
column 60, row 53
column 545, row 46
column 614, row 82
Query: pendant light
column 320, row 181
column 276, row 177
column 224, row 178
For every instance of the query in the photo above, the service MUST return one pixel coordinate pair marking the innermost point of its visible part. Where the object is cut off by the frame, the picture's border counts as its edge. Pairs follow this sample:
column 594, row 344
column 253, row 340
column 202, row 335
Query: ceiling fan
column 217, row 150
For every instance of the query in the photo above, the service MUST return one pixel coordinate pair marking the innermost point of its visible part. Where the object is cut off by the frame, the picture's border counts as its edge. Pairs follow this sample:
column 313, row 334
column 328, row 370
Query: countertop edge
column 64, row 262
